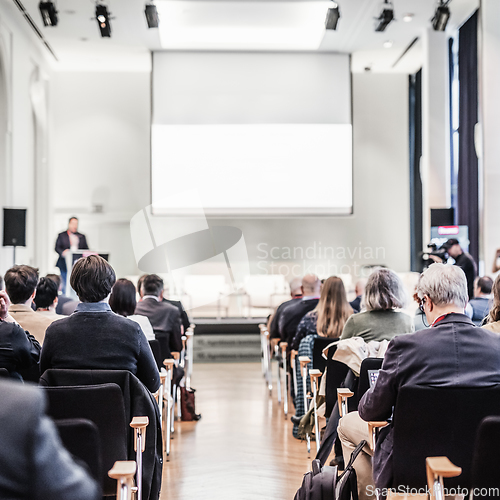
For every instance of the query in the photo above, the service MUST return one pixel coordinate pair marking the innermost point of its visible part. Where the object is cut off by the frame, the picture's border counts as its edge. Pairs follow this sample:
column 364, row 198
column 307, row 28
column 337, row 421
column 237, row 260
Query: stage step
column 226, row 347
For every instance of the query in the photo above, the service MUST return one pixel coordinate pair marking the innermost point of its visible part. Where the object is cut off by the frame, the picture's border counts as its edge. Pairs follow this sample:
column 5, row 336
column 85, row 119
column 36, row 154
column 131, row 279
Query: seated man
column 46, row 299
column 291, row 316
column 359, row 289
column 19, row 351
column 274, row 320
column 33, row 462
column 482, row 300
column 20, row 284
column 452, row 352
column 94, row 337
column 164, row 317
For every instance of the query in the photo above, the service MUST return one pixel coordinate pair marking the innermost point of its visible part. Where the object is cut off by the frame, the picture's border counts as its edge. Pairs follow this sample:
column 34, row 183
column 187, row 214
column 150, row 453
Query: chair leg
column 285, row 384
column 179, row 408
column 139, row 424
column 172, row 418
column 316, row 426
column 278, row 386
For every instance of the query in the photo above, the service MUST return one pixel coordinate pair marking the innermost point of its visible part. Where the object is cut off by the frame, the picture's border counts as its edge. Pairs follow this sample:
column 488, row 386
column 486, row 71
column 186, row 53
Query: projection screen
column 257, row 134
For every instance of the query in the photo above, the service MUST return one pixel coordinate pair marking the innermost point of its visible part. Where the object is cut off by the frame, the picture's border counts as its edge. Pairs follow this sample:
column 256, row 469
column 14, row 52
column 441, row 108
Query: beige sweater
column 494, row 327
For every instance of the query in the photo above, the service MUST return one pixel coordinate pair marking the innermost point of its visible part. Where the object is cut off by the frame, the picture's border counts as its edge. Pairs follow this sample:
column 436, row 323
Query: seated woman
column 384, row 293
column 93, row 337
column 326, row 320
column 123, row 301
column 492, row 321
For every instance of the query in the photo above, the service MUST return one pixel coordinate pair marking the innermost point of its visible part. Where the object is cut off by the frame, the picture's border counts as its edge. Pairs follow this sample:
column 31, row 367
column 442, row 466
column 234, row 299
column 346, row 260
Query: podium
column 71, row 257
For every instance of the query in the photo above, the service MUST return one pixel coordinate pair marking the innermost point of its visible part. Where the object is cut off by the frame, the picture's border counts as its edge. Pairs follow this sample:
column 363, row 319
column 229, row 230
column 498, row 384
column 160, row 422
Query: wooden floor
column 241, row 449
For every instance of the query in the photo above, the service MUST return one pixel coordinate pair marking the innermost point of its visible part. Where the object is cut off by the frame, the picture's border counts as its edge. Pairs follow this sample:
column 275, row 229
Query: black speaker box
column 442, row 217
column 14, row 227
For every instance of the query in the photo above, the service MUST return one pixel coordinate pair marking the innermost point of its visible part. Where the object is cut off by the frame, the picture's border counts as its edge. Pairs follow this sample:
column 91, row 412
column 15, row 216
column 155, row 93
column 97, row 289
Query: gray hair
column 384, row 290
column 443, row 284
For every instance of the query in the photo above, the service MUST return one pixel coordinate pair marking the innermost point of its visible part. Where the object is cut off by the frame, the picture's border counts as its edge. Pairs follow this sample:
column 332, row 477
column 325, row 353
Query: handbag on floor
column 188, row 413
column 324, row 483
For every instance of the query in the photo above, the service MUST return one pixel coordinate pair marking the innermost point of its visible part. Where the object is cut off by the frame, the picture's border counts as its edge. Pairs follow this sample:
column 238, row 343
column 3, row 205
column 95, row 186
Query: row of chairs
column 92, row 407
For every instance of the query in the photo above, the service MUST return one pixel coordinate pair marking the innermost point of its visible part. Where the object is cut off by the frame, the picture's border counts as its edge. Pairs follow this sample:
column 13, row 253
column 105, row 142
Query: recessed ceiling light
column 387, row 44
column 408, row 18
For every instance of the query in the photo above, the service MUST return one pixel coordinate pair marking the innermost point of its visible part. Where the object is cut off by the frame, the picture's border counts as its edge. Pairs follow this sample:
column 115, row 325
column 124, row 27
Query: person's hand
column 65, row 252
column 4, row 305
column 435, row 258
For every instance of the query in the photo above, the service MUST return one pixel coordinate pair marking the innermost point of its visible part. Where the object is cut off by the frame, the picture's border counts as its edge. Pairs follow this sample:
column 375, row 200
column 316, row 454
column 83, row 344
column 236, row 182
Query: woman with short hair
column 381, row 320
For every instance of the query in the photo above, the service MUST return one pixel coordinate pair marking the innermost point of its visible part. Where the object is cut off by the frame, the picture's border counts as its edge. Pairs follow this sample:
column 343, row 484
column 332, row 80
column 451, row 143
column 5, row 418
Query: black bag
column 324, row 483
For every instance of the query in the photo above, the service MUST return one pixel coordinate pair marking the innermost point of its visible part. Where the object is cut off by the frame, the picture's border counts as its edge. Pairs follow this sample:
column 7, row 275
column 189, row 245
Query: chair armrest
column 293, row 355
column 123, row 472
column 372, row 432
column 343, row 395
column 283, row 346
column 176, row 355
column 437, row 468
column 315, row 374
column 304, row 361
column 139, row 425
column 169, row 365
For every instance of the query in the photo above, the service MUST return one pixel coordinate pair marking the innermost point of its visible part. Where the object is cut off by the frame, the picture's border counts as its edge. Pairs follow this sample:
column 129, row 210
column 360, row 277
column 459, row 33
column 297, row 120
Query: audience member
column 326, row 320
column 164, row 317
column 94, row 337
column 20, row 284
column 273, row 322
column 481, row 302
column 19, row 350
column 493, row 318
column 61, row 299
column 384, row 293
column 359, row 289
column 452, row 352
column 185, row 323
column 123, row 302
column 46, row 298
column 33, row 462
column 291, row 316
column 463, row 260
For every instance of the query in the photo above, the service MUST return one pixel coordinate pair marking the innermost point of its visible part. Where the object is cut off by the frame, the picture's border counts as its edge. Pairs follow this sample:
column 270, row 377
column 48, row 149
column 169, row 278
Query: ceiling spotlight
column 102, row 18
column 408, row 18
column 441, row 16
column 385, row 17
column 152, row 15
column 332, row 16
column 49, row 13
column 387, row 44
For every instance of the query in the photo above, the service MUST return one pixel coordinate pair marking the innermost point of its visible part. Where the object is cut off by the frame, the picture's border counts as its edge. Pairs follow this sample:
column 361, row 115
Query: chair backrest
column 4, row 373
column 438, row 421
column 319, row 362
column 103, row 405
column 335, row 374
column 364, row 381
column 156, row 350
column 81, row 438
column 485, row 459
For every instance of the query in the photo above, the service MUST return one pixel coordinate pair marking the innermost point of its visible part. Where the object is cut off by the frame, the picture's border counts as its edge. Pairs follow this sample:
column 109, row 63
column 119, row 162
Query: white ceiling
column 78, row 45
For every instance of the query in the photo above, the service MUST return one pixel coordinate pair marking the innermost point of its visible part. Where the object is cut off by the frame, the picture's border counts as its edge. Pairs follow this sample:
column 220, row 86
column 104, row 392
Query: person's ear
column 430, row 304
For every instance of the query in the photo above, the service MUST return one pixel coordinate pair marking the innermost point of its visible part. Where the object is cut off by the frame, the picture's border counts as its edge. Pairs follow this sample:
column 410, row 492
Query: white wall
column 23, row 148
column 101, row 152
column 101, row 156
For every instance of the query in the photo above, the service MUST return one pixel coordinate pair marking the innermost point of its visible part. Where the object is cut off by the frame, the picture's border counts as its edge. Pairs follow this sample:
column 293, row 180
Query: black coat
column 454, row 352
column 291, row 316
column 62, row 243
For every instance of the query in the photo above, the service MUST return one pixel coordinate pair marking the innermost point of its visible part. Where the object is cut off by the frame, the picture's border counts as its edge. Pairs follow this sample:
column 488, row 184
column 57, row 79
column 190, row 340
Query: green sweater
column 377, row 325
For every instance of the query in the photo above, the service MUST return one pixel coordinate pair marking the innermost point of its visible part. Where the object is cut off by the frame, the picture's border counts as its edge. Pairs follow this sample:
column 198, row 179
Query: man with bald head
column 291, row 316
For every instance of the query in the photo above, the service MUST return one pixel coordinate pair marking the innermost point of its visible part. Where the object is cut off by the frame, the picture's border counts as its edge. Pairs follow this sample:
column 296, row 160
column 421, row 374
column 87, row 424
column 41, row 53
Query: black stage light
column 49, row 13
column 385, row 17
column 441, row 16
column 102, row 18
column 152, row 16
column 332, row 16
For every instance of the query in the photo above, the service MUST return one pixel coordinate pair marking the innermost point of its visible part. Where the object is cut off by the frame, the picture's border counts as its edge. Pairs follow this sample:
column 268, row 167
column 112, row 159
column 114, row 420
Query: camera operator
column 463, row 260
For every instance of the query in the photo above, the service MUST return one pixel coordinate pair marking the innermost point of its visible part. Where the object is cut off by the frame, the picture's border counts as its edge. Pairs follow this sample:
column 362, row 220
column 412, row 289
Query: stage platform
column 230, row 340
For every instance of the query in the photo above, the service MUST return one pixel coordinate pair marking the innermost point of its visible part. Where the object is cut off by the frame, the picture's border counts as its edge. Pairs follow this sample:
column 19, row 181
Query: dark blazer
column 33, row 462
column 62, row 243
column 454, row 352
column 274, row 331
column 100, row 340
column 356, row 304
column 184, row 317
column 291, row 316
column 165, row 320
column 19, row 350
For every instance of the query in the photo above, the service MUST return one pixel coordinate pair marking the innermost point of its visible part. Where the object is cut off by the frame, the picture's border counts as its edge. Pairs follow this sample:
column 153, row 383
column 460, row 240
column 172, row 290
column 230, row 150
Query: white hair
column 295, row 285
column 443, row 284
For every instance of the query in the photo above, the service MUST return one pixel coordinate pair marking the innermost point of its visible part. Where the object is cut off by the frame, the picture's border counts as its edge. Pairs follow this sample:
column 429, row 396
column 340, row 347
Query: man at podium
column 72, row 240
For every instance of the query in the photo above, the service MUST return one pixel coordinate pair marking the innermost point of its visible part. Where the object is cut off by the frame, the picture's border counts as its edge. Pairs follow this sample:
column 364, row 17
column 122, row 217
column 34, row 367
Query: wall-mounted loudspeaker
column 14, row 227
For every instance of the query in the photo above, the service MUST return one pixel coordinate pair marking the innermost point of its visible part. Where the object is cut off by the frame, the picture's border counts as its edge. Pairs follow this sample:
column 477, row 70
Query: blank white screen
column 256, row 134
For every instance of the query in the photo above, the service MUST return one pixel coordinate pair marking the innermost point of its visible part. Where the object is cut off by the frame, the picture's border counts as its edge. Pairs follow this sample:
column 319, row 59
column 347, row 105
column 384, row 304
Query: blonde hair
column 494, row 314
column 333, row 309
